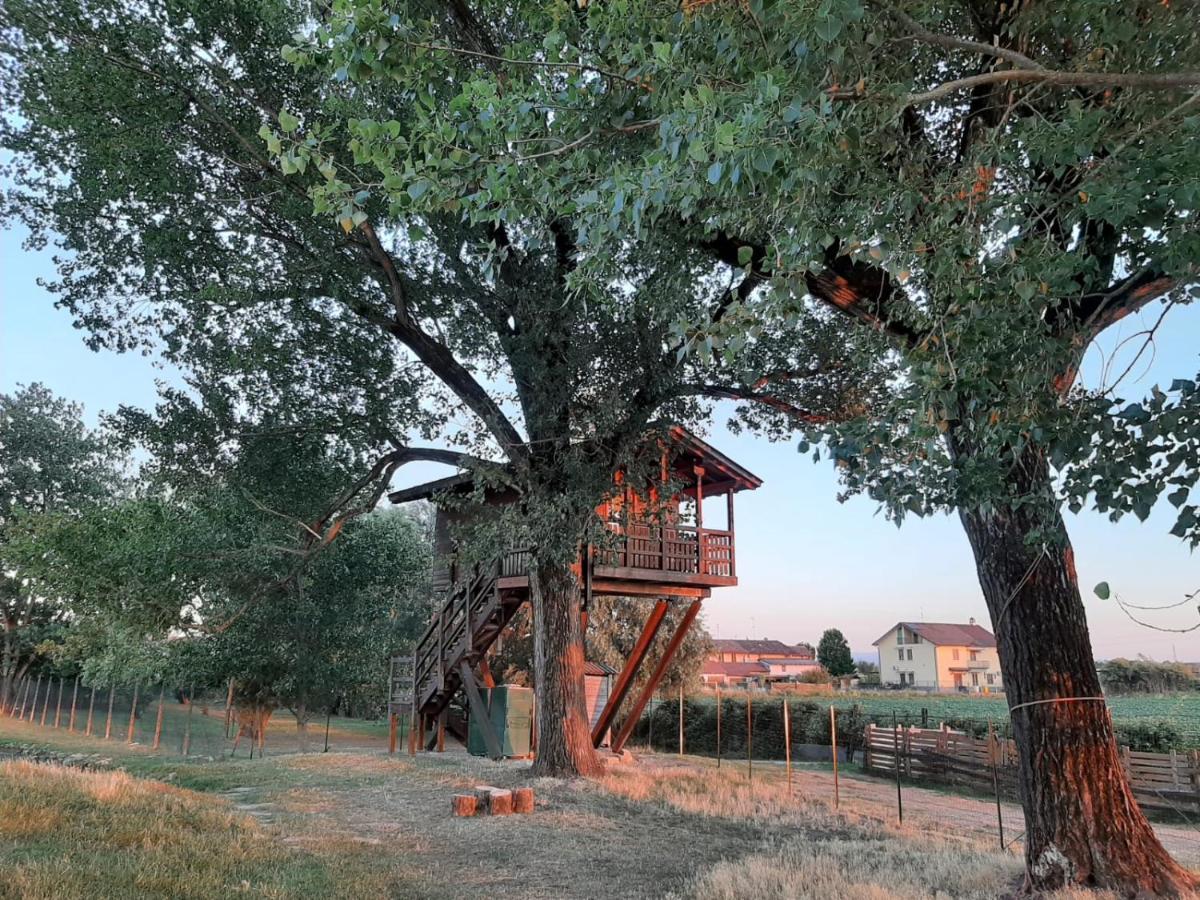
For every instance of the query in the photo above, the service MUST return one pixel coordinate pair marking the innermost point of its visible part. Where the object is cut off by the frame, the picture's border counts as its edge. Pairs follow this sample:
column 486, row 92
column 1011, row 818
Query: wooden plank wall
column 1166, row 781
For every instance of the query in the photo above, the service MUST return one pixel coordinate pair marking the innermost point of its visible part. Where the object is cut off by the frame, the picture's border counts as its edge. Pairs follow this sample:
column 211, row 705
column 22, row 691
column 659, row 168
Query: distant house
column 746, row 662
column 752, row 651
column 939, row 656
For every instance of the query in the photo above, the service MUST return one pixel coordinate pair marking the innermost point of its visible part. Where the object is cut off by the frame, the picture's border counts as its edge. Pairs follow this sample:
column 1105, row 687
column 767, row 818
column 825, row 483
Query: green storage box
column 511, row 712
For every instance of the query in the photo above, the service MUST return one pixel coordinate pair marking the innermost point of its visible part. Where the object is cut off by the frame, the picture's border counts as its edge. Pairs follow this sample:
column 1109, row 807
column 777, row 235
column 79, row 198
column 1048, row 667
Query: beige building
column 937, row 656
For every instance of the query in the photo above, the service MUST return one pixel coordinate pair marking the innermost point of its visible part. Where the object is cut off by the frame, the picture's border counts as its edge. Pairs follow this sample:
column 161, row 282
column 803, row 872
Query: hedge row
column 659, row 727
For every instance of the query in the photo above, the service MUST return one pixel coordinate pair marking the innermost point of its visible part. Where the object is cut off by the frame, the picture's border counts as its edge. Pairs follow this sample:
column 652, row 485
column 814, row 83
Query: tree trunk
column 564, row 744
column 1082, row 824
column 301, row 713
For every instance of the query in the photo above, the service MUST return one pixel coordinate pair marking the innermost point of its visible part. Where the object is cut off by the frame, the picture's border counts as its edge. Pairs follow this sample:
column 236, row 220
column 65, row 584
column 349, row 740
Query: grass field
column 362, row 824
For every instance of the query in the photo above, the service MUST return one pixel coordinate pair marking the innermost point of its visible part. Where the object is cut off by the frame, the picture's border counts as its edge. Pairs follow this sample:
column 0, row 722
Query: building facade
column 745, row 663
column 939, row 656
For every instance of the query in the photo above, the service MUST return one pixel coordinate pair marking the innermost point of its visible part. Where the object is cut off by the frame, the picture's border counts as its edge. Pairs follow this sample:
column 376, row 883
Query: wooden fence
column 1164, row 781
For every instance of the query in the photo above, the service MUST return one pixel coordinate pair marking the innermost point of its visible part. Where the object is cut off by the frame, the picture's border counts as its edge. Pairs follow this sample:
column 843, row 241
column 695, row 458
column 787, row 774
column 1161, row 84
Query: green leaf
column 1102, row 590
column 418, row 189
column 745, row 254
column 288, row 122
column 714, row 172
column 828, row 28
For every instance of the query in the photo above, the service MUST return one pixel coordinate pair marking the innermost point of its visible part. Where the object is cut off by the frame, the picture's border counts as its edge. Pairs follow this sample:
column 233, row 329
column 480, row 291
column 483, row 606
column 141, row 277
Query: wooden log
column 463, row 805
column 522, row 800
column 500, row 803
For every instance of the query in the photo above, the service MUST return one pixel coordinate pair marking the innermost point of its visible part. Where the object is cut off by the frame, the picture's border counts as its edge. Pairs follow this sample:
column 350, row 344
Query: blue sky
column 805, row 562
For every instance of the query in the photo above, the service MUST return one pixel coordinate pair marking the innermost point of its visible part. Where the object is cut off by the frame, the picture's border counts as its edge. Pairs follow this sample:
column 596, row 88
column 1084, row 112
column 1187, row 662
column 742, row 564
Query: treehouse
column 670, row 538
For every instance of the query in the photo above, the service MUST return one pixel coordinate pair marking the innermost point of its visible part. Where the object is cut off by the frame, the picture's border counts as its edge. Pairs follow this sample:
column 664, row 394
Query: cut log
column 494, row 801
column 464, row 804
column 522, row 800
column 501, row 803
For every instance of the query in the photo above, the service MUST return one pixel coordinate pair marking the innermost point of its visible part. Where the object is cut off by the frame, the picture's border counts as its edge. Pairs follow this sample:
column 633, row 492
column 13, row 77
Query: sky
column 805, row 562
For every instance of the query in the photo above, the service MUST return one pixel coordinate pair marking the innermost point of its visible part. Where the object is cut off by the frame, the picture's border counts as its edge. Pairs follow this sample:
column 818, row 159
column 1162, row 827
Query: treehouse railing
column 679, row 549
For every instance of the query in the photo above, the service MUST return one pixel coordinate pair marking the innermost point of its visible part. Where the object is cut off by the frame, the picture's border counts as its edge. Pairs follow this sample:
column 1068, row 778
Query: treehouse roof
column 720, row 473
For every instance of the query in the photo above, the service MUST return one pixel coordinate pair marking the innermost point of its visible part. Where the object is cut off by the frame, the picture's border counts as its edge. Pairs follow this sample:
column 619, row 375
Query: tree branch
column 923, row 34
column 1147, row 80
column 737, row 392
column 860, row 291
column 436, row 356
column 1095, row 312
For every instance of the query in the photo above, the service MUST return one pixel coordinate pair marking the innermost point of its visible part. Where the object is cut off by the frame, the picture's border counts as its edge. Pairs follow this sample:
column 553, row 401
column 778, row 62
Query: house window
column 910, row 655
column 900, row 655
column 991, row 679
column 899, row 635
column 974, row 656
column 955, row 652
column 975, row 679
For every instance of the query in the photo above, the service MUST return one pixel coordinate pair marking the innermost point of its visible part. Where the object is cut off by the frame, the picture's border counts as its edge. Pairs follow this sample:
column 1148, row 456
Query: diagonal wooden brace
column 480, row 712
column 625, row 680
column 661, row 669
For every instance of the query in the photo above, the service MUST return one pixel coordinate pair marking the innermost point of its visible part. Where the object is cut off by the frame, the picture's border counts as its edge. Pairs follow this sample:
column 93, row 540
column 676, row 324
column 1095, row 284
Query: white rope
column 1013, row 709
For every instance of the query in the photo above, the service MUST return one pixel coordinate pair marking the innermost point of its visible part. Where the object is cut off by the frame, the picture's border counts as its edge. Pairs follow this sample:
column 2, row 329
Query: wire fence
column 182, row 721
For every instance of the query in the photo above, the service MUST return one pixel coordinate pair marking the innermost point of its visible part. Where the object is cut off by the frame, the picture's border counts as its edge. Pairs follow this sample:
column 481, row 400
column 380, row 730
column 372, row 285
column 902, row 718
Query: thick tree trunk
column 564, row 744
column 1082, row 824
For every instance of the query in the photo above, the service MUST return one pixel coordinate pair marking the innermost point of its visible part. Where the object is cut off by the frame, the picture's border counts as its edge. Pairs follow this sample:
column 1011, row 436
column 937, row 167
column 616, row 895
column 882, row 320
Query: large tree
column 177, row 157
column 51, row 465
column 980, row 189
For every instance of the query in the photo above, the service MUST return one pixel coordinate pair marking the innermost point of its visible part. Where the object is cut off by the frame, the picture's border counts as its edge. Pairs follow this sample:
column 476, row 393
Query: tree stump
column 464, row 804
column 522, row 800
column 494, row 801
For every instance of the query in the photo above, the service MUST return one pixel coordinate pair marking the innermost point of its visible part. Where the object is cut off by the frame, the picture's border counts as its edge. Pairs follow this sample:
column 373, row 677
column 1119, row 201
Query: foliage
column 833, row 653
column 990, row 236
column 868, row 672
column 51, row 466
column 1145, row 676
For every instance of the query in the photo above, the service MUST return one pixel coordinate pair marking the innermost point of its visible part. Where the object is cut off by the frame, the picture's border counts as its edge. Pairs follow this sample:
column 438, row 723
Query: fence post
column 158, row 720
column 393, row 722
column 718, row 726
column 23, row 690
column 187, row 728
column 36, row 690
column 681, row 718
column 327, row 715
column 74, row 699
column 229, row 709
column 994, row 756
column 46, row 704
column 749, row 736
column 787, row 743
column 132, row 714
column 896, row 764
column 91, row 710
column 112, row 695
column 833, row 742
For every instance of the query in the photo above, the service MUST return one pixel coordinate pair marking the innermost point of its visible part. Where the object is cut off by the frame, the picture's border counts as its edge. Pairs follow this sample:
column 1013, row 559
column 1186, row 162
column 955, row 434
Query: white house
column 938, row 656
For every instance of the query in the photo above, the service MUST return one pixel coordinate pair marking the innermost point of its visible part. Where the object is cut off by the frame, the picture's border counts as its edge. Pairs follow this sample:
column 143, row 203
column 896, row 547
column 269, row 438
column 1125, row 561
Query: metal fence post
column 833, row 743
column 749, row 736
column 718, row 726
column 896, row 762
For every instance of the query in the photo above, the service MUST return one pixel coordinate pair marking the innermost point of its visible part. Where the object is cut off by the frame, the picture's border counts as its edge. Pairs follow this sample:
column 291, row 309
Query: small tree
column 834, row 653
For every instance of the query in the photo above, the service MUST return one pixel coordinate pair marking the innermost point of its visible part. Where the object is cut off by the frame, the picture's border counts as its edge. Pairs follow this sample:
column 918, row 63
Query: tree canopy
column 834, row 653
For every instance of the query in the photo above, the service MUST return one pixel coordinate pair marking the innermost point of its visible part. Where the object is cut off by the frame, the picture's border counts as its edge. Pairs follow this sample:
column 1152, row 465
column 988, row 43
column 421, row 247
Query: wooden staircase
column 474, row 614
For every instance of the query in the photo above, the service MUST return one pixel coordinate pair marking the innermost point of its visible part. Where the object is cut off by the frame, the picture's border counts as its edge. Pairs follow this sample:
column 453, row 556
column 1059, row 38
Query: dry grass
column 816, row 852
column 68, row 834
